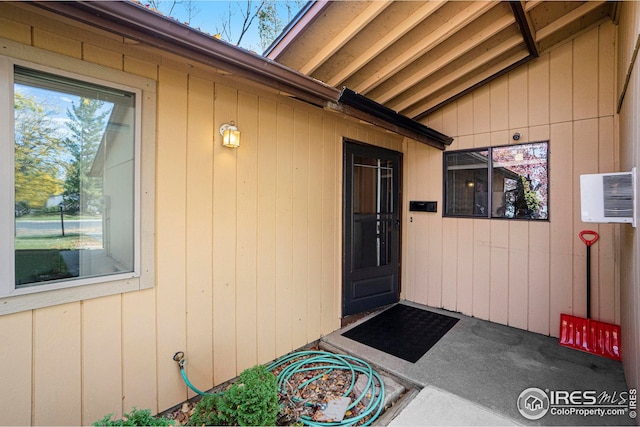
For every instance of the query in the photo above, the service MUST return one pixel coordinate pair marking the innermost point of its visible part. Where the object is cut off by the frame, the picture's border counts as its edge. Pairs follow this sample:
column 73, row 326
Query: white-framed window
column 77, row 180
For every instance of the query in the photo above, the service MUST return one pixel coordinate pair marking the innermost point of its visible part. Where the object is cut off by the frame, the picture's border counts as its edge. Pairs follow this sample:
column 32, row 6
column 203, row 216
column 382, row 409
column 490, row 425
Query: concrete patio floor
column 476, row 372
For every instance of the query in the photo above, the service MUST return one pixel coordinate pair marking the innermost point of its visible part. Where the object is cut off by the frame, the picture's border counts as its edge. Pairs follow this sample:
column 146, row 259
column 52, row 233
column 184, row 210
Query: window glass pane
column 372, row 211
column 373, row 184
column 466, row 186
column 74, row 179
column 520, row 183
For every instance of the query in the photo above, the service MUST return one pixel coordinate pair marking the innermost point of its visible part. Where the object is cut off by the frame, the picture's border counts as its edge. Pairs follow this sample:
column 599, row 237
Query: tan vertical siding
column 247, row 191
column 225, row 229
column 171, row 227
column 517, row 281
column 525, row 274
column 314, row 240
column 57, row 366
column 199, row 232
column 331, row 222
column 300, row 217
column 266, row 232
column 284, row 232
column 561, row 216
column 16, row 31
column 139, row 352
column 101, row 357
column 451, row 268
column 462, row 235
column 435, row 240
column 57, row 43
column 16, row 371
column 248, row 244
column 629, row 156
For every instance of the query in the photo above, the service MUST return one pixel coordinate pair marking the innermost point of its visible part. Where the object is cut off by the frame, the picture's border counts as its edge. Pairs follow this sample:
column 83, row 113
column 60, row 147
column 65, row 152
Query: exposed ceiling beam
column 447, row 58
column 400, row 30
column 347, row 33
column 567, row 19
column 450, row 78
column 525, row 25
column 440, row 34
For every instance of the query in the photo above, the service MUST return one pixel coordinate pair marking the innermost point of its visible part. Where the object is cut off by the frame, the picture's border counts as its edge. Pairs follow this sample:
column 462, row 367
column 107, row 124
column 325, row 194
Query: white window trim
column 143, row 277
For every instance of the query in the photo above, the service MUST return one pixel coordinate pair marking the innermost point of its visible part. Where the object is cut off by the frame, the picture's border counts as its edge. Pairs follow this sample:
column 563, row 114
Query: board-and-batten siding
column 523, row 273
column 247, row 245
column 628, row 36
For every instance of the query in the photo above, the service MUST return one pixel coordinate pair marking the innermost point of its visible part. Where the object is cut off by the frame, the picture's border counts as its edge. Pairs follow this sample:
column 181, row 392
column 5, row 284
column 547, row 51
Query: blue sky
column 209, row 16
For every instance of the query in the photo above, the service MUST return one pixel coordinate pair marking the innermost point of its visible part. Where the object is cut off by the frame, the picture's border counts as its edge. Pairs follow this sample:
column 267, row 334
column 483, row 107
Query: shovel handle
column 588, row 240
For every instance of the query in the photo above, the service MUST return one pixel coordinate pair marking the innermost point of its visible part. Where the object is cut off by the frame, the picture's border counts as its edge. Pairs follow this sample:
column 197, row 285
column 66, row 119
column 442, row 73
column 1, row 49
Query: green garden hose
column 303, row 361
column 179, row 357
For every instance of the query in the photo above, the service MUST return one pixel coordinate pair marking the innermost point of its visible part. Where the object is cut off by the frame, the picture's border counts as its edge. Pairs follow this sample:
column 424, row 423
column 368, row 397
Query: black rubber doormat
column 402, row 331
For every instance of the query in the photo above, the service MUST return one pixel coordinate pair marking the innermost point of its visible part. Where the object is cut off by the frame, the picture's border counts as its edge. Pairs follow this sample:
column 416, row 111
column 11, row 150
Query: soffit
column 417, row 56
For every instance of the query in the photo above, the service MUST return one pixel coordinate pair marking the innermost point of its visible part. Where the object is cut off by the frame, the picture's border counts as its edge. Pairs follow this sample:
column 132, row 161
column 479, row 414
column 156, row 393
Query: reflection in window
column 372, row 211
column 74, row 179
column 518, row 182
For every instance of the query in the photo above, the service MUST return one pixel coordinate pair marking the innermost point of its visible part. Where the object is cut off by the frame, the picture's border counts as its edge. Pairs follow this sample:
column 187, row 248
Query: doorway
column 371, row 233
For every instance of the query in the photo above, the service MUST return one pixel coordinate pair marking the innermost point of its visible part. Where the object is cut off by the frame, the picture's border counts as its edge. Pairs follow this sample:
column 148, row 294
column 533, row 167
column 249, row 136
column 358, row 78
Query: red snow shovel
column 589, row 335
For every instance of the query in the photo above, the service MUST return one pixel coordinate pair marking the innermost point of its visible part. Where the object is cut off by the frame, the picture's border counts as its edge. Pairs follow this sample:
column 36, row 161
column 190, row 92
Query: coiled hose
column 312, row 360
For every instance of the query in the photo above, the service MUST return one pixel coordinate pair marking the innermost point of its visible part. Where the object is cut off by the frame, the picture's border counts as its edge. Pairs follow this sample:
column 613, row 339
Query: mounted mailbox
column 417, row 206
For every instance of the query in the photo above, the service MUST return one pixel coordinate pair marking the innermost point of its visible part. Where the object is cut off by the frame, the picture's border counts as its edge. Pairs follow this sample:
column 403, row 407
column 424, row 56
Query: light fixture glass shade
column 230, row 135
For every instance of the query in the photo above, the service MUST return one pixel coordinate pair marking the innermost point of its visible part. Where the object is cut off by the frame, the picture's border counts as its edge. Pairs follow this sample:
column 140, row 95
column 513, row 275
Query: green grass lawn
column 69, row 241
column 54, row 217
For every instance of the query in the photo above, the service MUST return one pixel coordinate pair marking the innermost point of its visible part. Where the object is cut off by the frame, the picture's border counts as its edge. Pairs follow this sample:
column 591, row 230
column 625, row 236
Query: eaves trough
column 138, row 23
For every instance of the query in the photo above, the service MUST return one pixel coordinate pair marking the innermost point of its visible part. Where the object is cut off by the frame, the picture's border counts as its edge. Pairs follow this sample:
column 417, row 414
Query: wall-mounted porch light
column 230, row 135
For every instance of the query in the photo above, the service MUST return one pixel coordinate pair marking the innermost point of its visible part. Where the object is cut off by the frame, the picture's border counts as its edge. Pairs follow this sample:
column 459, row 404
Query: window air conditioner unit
column 609, row 197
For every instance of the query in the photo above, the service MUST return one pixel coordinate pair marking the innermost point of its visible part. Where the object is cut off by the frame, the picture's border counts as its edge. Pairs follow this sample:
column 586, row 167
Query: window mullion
column 490, row 183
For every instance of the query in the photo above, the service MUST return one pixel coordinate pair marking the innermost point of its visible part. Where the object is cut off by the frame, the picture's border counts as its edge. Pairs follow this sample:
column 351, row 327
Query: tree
column 270, row 16
column 86, row 126
column 248, row 13
column 269, row 24
column 38, row 152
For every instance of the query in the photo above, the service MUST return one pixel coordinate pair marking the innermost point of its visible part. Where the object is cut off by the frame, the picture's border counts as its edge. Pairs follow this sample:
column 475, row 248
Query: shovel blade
column 590, row 336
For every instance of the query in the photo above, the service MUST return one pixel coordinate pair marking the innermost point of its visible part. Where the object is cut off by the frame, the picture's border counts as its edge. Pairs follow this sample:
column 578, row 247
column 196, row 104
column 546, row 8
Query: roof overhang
column 136, row 22
column 416, row 57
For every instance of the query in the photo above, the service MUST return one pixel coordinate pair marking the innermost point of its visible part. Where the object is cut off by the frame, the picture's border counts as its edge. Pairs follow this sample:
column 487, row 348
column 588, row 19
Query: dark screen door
column 371, row 227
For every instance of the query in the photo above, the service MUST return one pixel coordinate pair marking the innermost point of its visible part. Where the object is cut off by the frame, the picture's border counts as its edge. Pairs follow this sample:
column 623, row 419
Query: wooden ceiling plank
column 407, row 25
column 567, row 19
column 421, row 111
column 531, row 4
column 347, row 33
column 446, row 59
column 450, row 78
column 437, row 36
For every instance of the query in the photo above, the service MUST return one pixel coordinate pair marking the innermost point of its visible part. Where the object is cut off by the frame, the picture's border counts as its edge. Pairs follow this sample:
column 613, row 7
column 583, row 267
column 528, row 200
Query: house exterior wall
column 524, row 273
column 247, row 243
column 628, row 36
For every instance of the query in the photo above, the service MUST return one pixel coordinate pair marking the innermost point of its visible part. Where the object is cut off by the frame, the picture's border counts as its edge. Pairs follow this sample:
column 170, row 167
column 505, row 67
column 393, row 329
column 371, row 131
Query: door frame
column 398, row 213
